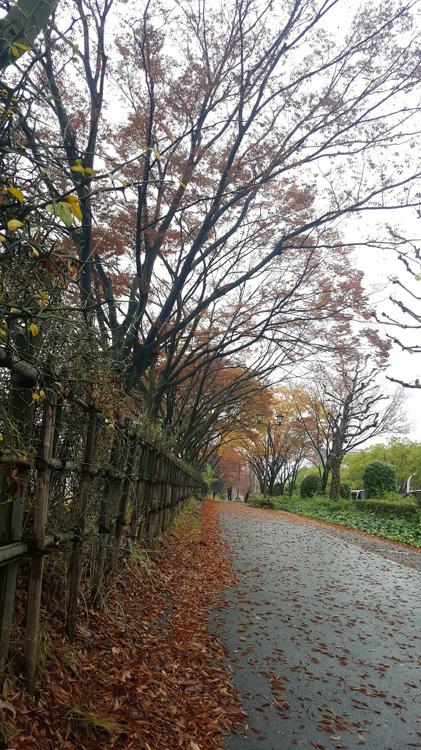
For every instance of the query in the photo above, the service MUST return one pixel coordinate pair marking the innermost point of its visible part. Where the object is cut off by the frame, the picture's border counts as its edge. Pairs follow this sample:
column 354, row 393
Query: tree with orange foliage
column 275, row 447
column 233, row 158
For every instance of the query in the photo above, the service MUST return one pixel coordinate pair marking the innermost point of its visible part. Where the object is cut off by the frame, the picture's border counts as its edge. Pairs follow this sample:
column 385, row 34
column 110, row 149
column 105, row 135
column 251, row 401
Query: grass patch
column 346, row 513
column 85, row 725
column 186, row 524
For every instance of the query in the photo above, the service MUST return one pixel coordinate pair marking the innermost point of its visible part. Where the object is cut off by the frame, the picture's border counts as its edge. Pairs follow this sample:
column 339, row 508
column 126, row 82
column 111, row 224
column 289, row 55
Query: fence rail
column 68, row 477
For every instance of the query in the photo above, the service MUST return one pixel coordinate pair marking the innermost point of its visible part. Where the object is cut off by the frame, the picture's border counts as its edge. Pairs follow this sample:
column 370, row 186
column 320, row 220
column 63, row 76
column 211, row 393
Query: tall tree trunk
column 324, row 479
column 335, row 485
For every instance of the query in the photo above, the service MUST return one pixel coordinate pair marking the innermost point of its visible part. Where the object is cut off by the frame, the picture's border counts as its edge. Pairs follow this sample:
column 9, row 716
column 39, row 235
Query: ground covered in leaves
column 145, row 673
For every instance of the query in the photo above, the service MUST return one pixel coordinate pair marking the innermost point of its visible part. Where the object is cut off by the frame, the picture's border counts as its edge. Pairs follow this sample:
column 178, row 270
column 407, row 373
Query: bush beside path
column 381, row 518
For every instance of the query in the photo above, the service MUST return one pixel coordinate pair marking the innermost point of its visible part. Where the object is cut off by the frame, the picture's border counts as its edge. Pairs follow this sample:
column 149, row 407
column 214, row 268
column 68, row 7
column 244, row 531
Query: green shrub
column 389, row 508
column 348, row 513
column 345, row 491
column 267, row 502
column 379, row 478
column 309, row 486
column 256, row 500
column 277, row 490
column 396, row 497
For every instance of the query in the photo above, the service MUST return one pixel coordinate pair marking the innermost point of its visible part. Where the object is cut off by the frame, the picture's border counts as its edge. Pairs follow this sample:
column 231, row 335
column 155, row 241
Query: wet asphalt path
column 324, row 635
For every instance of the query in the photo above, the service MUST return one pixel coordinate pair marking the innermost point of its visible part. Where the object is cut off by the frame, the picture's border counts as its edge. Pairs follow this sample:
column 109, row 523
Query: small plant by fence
column 74, row 480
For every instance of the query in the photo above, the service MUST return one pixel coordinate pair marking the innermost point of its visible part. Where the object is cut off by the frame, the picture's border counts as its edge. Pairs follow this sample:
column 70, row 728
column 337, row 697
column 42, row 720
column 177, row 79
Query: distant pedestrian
column 214, row 494
column 229, row 493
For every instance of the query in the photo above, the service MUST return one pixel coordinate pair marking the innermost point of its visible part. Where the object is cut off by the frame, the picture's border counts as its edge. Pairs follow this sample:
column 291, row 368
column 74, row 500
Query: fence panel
column 89, row 488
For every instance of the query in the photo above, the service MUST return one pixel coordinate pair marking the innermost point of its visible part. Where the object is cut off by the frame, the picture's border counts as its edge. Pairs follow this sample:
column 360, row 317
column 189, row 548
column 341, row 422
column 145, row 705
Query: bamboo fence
column 85, row 488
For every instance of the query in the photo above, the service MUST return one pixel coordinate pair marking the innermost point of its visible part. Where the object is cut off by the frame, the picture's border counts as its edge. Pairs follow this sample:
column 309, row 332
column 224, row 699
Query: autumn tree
column 346, row 408
column 215, row 184
column 276, row 446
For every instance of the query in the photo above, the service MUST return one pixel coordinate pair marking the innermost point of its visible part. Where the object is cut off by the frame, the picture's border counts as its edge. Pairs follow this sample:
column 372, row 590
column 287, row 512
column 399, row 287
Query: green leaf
column 62, row 212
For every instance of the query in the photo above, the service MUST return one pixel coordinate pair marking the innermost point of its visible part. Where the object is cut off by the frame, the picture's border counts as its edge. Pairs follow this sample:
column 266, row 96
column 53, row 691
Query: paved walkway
column 324, row 635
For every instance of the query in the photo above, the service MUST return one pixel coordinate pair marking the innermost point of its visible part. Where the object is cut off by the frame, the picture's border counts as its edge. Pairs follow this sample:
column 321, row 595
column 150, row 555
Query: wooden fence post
column 149, row 480
column 138, row 492
column 156, row 495
column 176, row 498
column 166, row 481
column 131, row 466
column 76, row 556
column 104, row 518
column 40, row 521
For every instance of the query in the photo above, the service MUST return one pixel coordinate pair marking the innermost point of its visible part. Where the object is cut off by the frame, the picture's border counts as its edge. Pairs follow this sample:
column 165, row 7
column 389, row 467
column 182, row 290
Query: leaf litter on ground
column 145, row 672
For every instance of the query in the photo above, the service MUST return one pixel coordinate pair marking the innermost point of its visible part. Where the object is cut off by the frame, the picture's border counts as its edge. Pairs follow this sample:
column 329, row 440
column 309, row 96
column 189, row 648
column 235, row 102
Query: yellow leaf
column 38, row 394
column 35, row 252
column 18, row 49
column 43, row 296
column 33, row 329
column 88, row 170
column 3, row 332
column 1, row 437
column 14, row 310
column 74, row 205
column 16, row 192
column 2, row 238
column 183, row 185
column 77, row 166
column 14, row 224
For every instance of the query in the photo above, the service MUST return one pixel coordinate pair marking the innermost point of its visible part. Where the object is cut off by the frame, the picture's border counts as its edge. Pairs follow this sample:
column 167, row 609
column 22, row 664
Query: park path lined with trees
column 171, row 253
column 323, row 634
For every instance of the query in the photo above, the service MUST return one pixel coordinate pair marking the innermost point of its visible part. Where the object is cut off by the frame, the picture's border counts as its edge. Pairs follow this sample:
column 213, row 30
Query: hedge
column 389, row 508
column 345, row 491
column 378, row 479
